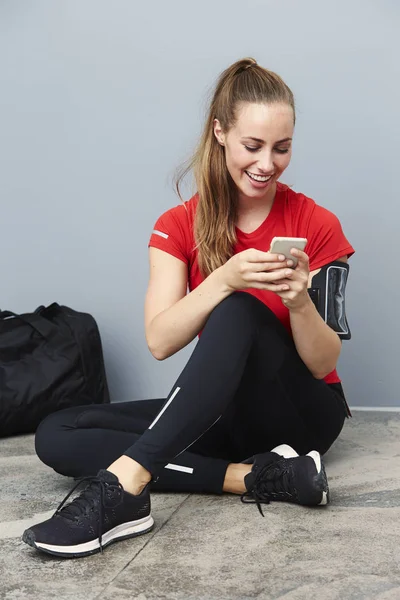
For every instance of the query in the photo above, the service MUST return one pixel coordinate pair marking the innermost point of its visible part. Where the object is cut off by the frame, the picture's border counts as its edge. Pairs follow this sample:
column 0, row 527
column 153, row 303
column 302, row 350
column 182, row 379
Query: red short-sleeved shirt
column 291, row 215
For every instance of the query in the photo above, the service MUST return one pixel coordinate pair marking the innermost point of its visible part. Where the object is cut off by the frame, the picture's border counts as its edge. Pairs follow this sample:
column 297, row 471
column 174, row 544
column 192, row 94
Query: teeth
column 258, row 177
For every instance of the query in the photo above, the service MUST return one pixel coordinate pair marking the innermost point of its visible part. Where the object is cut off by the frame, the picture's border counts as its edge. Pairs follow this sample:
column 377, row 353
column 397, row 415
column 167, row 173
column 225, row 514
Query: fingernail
column 290, row 263
column 281, row 257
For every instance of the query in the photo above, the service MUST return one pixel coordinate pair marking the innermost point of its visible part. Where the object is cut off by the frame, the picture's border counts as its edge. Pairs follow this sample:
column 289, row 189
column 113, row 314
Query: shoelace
column 97, row 490
column 270, row 480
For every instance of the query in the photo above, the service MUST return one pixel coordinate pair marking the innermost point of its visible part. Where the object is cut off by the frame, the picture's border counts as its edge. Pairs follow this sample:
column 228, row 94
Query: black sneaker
column 284, row 475
column 102, row 514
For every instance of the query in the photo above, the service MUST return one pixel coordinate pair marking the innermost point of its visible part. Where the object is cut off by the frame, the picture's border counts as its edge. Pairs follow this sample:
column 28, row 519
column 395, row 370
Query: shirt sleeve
column 168, row 235
column 326, row 240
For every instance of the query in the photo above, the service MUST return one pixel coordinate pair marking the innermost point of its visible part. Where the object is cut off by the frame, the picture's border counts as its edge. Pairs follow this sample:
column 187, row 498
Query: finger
column 264, row 257
column 292, row 284
column 274, row 276
column 301, row 256
column 267, row 267
column 296, row 276
column 281, row 282
column 289, row 293
column 269, row 287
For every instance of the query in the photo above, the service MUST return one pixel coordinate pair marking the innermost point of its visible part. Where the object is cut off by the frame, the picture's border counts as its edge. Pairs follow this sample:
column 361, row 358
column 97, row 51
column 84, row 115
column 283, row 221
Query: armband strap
column 327, row 291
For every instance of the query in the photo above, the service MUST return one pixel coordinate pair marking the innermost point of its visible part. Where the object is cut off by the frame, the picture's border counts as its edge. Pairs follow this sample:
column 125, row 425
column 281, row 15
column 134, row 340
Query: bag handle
column 41, row 325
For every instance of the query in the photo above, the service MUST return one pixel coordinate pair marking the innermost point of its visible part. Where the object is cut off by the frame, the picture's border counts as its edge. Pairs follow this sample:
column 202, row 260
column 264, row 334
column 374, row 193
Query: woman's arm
column 317, row 344
column 172, row 318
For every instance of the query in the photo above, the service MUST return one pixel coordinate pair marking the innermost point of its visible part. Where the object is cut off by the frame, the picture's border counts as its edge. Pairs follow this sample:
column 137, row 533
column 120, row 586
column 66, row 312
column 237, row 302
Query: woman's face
column 258, row 147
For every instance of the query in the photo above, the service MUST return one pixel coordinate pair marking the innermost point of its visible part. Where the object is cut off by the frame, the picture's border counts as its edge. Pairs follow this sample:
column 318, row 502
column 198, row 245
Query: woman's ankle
column 234, row 478
column 132, row 476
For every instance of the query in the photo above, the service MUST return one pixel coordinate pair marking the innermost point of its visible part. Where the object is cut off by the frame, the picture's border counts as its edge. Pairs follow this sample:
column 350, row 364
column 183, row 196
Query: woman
column 260, row 388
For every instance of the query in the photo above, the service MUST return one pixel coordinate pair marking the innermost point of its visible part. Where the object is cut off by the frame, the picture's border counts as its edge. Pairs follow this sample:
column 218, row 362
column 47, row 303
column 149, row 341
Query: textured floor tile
column 17, row 445
column 29, row 493
column 218, row 548
column 207, row 547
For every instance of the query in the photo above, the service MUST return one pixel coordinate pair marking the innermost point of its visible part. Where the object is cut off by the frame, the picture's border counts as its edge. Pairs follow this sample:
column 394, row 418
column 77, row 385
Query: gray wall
column 101, row 100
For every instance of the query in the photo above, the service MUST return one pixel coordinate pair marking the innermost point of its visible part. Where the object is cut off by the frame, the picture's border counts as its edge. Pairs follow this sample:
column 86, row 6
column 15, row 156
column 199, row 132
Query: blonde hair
column 216, row 213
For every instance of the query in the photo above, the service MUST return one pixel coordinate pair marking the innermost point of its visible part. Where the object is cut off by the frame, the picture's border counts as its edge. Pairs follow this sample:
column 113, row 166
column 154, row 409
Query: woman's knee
column 243, row 312
column 239, row 301
column 239, row 306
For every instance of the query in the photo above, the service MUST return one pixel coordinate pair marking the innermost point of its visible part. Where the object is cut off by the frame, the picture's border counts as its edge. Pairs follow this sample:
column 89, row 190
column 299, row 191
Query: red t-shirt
column 291, row 215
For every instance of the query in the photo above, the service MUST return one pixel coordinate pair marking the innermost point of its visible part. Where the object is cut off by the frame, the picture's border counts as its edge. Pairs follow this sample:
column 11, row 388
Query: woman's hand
column 296, row 297
column 256, row 269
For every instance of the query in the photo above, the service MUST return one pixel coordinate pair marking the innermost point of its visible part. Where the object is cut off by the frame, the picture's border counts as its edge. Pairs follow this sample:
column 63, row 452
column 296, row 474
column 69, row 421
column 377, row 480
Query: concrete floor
column 216, row 547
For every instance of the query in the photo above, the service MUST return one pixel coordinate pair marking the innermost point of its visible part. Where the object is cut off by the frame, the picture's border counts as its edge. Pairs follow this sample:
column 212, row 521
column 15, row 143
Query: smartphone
column 283, row 245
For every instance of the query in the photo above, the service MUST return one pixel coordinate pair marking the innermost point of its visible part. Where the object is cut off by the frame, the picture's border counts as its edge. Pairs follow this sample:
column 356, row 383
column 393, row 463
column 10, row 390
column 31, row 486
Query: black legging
column 243, row 391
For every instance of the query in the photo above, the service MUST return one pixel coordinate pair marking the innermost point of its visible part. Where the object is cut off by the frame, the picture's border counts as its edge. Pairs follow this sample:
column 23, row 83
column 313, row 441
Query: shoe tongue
column 74, row 509
column 260, row 460
column 265, row 459
column 107, row 476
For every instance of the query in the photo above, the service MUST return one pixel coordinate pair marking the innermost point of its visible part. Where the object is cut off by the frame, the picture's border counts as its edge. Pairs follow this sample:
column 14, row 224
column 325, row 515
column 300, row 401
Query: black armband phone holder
column 327, row 292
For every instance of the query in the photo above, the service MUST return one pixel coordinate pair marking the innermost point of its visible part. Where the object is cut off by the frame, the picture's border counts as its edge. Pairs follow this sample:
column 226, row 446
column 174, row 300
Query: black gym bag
column 49, row 359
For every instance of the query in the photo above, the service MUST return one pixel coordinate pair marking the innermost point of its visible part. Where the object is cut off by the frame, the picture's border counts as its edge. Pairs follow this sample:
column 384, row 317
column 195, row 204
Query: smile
column 260, row 178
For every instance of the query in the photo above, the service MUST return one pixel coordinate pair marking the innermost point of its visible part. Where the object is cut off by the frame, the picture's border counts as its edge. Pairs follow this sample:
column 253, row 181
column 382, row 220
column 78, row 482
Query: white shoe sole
column 322, row 478
column 123, row 531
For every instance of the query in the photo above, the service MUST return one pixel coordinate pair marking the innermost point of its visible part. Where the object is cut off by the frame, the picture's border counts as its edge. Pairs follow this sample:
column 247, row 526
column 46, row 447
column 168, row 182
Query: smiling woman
column 262, row 160
column 259, row 400
column 245, row 147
